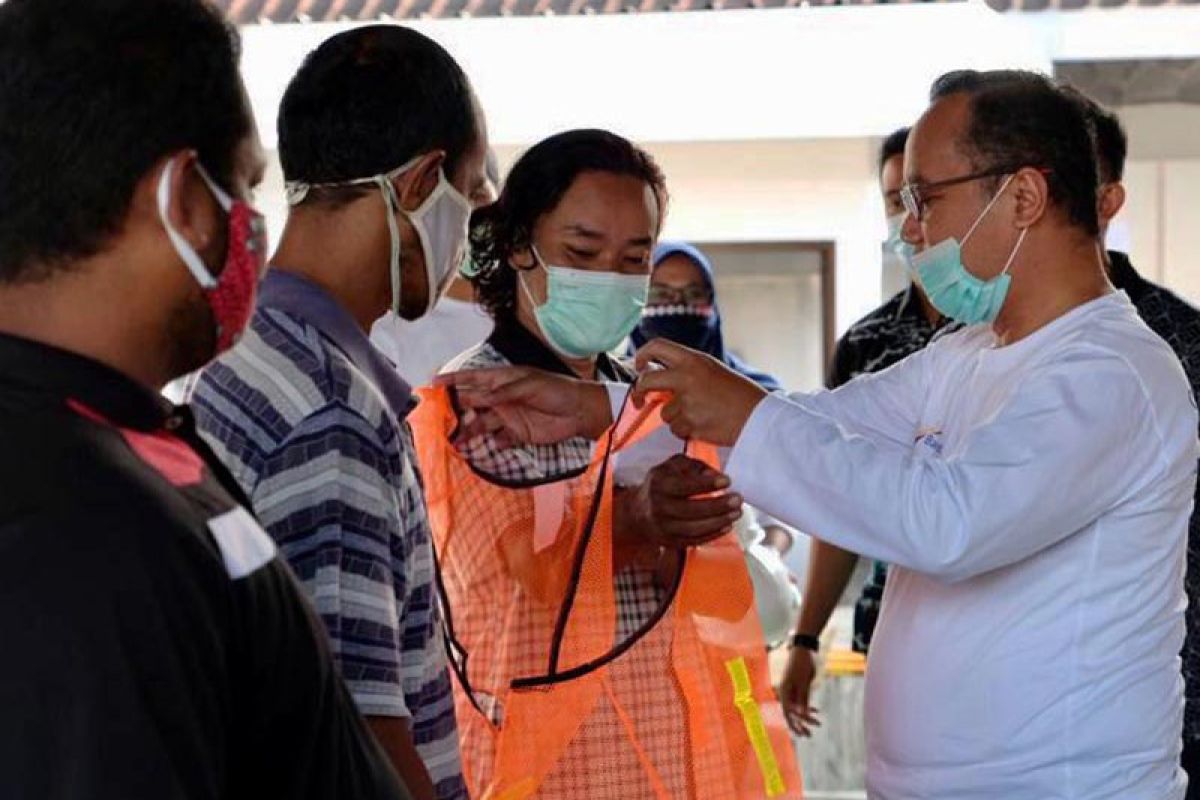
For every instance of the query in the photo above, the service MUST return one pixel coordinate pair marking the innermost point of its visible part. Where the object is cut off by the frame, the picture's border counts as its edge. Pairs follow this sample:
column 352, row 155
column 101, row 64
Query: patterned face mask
column 231, row 293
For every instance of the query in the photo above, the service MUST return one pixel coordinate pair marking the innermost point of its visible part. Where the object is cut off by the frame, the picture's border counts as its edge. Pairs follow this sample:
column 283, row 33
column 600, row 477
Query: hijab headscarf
column 697, row 327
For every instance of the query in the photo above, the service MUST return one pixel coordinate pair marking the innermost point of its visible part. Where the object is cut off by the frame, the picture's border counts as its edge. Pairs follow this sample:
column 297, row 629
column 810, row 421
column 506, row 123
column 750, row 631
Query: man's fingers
column 480, row 380
column 796, row 723
column 683, row 429
column 513, row 391
column 661, row 351
column 686, row 477
column 478, row 423
column 698, row 532
column 658, row 380
column 696, row 510
column 672, row 411
column 472, row 398
column 800, row 718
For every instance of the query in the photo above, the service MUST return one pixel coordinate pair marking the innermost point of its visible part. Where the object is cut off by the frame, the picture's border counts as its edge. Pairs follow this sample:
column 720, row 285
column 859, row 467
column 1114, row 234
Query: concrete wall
column 1160, row 225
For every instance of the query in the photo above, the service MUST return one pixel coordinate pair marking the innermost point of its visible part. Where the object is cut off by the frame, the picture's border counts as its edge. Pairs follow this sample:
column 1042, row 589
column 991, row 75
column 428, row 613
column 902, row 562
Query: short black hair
column 534, row 187
column 1021, row 118
column 368, row 100
column 92, row 96
column 1112, row 143
column 893, row 146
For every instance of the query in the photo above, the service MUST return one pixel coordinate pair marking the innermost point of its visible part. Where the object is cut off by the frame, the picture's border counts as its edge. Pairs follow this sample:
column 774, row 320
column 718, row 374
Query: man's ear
column 1032, row 193
column 420, row 180
column 1111, row 199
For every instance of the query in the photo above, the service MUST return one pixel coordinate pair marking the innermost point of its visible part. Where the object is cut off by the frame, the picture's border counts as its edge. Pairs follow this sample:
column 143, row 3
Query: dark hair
column 368, row 100
column 1021, row 118
column 1112, row 143
column 92, row 96
column 534, row 187
column 893, row 146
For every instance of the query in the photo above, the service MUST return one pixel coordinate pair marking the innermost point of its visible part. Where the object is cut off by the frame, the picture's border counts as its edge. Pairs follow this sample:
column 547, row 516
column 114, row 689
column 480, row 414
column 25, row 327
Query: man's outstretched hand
column 522, row 405
column 708, row 400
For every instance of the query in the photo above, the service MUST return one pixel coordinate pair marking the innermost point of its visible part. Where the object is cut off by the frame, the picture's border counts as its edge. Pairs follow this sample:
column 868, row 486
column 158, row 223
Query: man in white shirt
column 1029, row 477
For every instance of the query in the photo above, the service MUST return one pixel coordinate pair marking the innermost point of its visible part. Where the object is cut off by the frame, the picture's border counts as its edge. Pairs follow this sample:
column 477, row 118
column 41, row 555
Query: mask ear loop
column 1016, row 248
column 223, row 198
column 297, row 192
column 184, row 248
column 392, row 204
column 537, row 262
column 987, row 208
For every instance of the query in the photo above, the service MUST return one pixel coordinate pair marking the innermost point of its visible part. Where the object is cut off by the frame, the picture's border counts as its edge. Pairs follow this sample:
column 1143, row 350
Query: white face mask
column 440, row 224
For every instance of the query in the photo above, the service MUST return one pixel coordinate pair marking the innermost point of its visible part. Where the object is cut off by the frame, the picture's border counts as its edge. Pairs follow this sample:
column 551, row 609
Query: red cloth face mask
column 232, row 292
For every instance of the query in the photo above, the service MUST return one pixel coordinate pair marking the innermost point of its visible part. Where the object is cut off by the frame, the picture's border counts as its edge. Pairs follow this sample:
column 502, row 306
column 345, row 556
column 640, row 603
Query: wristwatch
column 807, row 641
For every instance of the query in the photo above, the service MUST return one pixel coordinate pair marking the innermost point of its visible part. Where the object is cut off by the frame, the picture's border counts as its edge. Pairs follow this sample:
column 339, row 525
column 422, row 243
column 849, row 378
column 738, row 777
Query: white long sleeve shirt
column 1034, row 502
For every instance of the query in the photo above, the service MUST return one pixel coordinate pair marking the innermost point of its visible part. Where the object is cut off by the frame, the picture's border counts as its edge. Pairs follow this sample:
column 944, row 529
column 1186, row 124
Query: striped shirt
column 309, row 417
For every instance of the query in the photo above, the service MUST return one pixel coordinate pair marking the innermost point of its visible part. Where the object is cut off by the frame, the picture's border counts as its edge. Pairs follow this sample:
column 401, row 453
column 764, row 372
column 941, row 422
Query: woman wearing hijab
column 682, row 306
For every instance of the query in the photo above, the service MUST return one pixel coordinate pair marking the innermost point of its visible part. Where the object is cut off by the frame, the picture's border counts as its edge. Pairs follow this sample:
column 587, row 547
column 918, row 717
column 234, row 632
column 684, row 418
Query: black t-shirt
column 154, row 645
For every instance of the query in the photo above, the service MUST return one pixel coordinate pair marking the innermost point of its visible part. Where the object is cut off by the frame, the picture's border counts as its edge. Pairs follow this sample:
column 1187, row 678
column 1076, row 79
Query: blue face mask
column 587, row 313
column 952, row 289
column 895, row 240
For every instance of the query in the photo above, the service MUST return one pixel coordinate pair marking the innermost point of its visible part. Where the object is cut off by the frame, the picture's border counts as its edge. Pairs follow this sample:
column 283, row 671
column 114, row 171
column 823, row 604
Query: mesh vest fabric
column 552, row 702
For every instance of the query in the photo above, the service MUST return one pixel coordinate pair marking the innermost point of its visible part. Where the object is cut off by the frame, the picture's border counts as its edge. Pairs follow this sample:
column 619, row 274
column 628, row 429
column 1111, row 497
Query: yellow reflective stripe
column 743, row 698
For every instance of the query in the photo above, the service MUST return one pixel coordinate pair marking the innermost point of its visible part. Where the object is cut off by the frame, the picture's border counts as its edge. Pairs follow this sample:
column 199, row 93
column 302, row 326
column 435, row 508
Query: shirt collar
column 299, row 297
column 38, row 369
column 516, row 343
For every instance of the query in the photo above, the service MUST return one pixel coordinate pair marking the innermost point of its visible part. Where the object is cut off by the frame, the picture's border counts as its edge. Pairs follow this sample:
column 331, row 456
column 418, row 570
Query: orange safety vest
column 551, row 704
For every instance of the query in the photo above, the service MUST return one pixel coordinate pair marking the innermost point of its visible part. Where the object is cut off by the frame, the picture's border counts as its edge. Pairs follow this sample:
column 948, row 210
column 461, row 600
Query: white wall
column 1160, row 225
column 737, row 75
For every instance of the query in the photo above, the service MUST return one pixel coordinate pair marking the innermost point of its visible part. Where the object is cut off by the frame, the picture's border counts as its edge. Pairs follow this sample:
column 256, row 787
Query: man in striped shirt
column 383, row 147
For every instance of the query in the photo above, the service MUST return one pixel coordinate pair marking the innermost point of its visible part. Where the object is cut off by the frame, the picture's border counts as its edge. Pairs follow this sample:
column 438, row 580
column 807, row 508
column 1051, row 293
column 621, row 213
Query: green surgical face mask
column 587, row 313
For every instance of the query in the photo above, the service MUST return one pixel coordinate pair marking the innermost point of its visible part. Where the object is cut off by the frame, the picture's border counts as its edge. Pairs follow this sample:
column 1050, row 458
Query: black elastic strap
column 564, row 611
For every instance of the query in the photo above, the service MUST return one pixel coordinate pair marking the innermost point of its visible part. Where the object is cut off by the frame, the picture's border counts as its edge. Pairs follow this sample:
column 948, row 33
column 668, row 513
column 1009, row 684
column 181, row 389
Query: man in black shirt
column 155, row 645
column 1178, row 323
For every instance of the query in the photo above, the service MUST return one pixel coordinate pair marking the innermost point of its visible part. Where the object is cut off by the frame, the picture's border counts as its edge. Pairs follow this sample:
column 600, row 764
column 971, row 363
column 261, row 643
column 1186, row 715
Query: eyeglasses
column 670, row 296
column 914, row 194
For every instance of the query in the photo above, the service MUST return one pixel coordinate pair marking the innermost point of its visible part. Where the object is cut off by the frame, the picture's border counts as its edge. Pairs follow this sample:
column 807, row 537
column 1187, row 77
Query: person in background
column 1178, row 323
column 420, row 348
column 900, row 327
column 682, row 306
column 382, row 144
column 156, row 645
